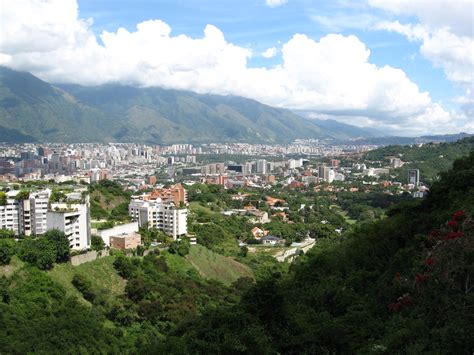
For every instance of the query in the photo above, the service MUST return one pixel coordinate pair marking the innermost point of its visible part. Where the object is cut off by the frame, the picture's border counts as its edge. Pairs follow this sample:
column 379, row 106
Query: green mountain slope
column 33, row 110
column 168, row 116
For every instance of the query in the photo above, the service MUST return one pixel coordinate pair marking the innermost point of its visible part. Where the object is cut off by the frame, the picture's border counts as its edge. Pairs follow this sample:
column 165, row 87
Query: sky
column 404, row 67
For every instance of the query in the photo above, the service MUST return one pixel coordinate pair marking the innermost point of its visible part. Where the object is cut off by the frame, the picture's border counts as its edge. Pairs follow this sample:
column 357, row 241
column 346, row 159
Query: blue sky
column 255, row 25
column 418, row 78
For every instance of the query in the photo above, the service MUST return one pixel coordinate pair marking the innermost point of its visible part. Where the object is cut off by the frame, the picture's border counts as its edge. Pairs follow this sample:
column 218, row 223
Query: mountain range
column 32, row 110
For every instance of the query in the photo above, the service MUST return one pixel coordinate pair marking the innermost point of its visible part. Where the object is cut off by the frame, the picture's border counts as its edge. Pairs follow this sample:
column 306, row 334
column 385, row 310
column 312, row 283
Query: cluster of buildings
column 33, row 213
column 92, row 162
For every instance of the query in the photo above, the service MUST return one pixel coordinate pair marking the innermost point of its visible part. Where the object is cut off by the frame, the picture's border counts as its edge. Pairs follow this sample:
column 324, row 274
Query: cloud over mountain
column 331, row 75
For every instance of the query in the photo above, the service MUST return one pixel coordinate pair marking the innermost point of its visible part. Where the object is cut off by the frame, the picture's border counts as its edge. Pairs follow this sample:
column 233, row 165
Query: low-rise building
column 122, row 229
column 125, row 241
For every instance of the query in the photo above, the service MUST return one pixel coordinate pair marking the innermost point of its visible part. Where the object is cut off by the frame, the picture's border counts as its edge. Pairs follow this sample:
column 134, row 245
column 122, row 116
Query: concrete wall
column 89, row 256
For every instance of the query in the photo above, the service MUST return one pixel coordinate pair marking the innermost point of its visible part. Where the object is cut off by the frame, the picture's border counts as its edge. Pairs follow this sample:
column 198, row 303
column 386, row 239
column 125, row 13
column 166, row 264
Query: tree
column 97, row 243
column 60, row 243
column 3, row 198
column 173, row 248
column 22, row 195
column 183, row 248
column 84, row 286
column 124, row 266
column 5, row 254
column 57, row 196
column 44, row 254
column 244, row 251
column 6, row 233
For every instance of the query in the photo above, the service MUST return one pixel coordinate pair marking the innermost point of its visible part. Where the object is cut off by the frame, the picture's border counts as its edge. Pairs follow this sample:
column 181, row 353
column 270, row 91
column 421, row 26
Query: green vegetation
column 44, row 251
column 13, row 266
column 37, row 316
column 57, row 196
column 430, row 158
column 215, row 266
column 3, row 198
column 110, row 202
column 397, row 284
column 402, row 284
column 22, row 195
column 97, row 243
column 100, row 274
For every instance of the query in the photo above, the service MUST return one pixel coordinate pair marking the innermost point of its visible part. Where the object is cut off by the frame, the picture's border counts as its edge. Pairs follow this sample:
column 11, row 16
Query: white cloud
column 270, row 52
column 455, row 14
column 446, row 36
column 337, row 22
column 332, row 76
column 275, row 3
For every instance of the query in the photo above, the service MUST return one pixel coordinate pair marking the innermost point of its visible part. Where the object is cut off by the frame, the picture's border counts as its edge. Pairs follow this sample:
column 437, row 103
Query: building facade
column 161, row 215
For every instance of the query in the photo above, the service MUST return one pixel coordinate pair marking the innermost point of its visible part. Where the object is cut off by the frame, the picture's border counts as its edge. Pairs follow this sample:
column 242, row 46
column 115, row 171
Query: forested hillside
column 430, row 158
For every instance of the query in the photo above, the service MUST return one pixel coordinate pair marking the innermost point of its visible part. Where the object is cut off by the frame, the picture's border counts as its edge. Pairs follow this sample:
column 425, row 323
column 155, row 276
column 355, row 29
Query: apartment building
column 73, row 218
column 162, row 215
column 9, row 213
column 25, row 216
column 32, row 215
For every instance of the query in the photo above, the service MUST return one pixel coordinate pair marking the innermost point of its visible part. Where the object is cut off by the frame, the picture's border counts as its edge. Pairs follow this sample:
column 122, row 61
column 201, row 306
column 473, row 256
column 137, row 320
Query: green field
column 100, row 273
column 215, row 266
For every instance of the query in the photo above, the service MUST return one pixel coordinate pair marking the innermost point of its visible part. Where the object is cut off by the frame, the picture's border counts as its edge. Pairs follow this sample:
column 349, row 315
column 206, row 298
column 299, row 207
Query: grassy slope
column 100, row 273
column 215, row 266
column 15, row 265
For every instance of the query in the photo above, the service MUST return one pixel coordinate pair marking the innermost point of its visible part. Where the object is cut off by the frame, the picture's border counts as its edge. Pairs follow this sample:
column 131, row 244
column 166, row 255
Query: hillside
column 33, row 110
column 215, row 266
column 400, row 285
column 430, row 158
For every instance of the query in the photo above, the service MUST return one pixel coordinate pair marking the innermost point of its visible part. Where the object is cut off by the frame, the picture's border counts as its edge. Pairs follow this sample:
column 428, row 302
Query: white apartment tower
column 163, row 216
column 73, row 218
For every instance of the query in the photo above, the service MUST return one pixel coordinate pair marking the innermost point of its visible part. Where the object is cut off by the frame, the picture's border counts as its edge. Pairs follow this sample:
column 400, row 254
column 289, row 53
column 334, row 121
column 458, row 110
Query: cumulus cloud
column 446, row 36
column 275, row 3
column 332, row 76
column 270, row 52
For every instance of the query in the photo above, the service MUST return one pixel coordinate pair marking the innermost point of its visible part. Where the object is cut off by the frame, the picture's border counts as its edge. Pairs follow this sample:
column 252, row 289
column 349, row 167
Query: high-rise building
column 261, row 166
column 414, row 177
column 73, row 218
column 326, row 173
column 163, row 216
column 9, row 213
